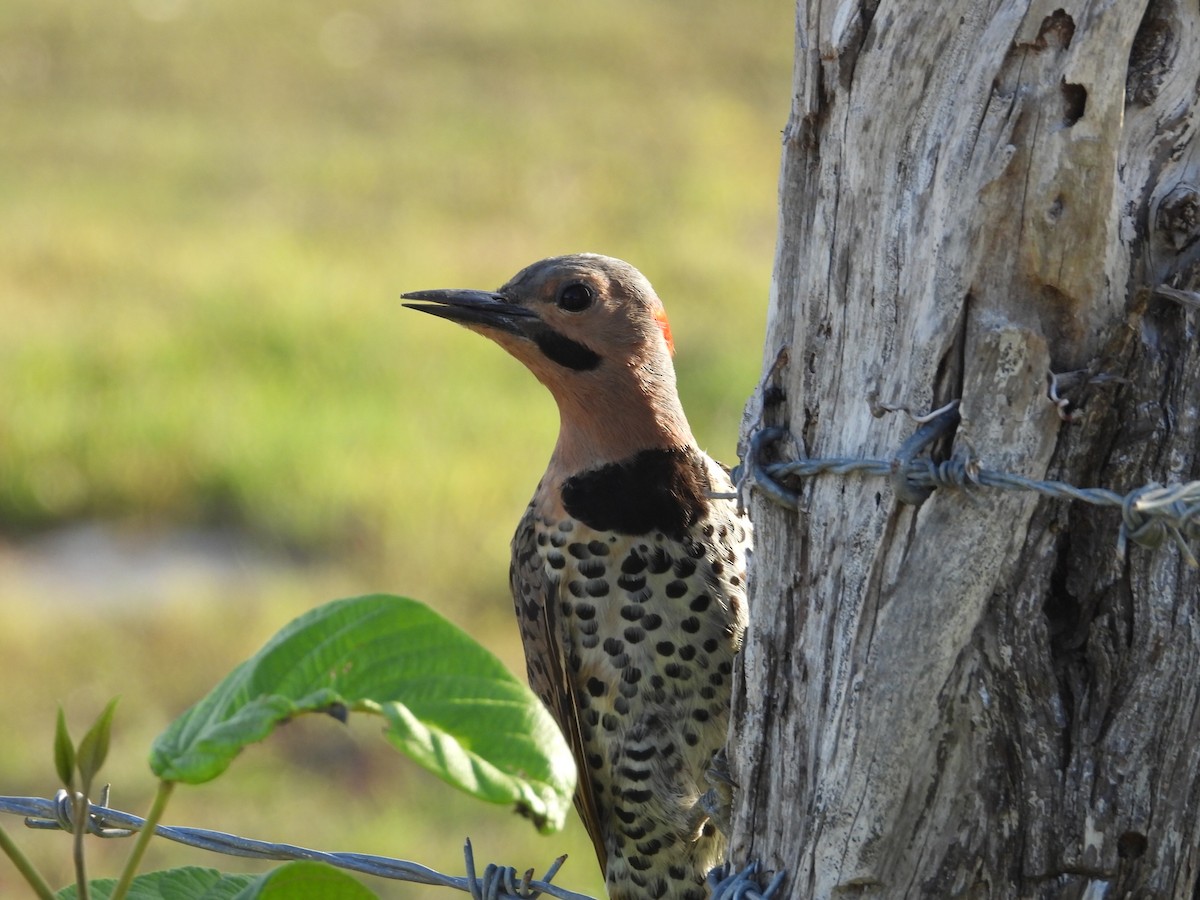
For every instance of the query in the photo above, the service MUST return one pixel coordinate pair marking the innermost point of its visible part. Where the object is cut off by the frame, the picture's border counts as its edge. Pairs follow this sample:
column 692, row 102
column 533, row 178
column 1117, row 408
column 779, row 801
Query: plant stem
column 79, row 822
column 143, row 840
column 27, row 869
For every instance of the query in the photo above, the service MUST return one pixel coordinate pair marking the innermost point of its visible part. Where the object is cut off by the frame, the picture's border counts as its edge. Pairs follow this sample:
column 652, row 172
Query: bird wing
column 536, row 598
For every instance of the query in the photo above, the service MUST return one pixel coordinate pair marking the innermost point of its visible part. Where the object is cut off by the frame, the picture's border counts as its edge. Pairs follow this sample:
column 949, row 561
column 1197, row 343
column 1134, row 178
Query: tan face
column 598, row 303
column 592, row 330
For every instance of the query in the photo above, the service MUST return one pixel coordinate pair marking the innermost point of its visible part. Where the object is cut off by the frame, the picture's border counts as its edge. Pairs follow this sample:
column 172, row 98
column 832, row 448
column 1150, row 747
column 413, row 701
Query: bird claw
column 717, row 801
column 724, row 884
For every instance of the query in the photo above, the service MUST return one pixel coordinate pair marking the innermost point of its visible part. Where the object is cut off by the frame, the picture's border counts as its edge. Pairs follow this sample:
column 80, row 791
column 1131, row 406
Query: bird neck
column 601, row 427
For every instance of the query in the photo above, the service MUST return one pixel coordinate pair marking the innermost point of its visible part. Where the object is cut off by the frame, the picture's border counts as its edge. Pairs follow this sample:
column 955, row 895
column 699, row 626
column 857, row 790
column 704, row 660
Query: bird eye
column 575, row 297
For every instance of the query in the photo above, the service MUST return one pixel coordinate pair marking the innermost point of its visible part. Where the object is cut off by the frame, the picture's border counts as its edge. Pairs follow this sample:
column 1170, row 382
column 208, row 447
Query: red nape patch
column 661, row 318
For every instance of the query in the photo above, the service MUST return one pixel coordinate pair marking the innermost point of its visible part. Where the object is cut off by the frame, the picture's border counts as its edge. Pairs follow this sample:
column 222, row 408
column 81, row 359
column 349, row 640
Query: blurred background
column 214, row 413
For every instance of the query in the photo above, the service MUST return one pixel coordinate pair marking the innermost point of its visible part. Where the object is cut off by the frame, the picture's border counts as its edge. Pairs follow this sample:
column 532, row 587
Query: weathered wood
column 977, row 697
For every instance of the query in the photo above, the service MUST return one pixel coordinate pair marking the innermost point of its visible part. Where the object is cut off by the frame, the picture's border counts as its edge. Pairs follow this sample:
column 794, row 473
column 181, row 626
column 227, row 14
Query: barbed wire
column 496, row 883
column 1150, row 514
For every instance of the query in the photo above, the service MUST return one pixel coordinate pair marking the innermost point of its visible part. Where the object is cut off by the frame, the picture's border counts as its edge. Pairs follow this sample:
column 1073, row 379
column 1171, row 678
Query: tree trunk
column 978, row 696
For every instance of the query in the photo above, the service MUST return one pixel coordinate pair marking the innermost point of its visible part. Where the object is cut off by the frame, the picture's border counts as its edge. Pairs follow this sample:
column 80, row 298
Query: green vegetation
column 208, row 211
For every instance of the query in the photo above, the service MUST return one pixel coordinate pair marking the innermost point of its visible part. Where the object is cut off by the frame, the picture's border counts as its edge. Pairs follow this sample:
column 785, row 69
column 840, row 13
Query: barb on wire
column 1150, row 515
column 743, row 884
column 498, row 882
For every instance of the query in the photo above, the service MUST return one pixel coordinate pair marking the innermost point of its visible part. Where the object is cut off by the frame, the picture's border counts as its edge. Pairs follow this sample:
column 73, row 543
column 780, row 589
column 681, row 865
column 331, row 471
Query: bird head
column 563, row 315
column 593, row 331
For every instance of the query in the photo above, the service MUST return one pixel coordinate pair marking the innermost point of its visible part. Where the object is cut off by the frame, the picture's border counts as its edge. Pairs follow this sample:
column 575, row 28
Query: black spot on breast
column 665, row 648
column 676, row 589
column 634, row 635
column 684, row 568
column 596, row 587
column 596, row 687
column 691, row 624
column 556, row 559
column 591, row 568
column 644, row 595
column 612, row 646
column 655, row 490
column 659, row 561
column 631, row 582
column 634, row 774
column 710, row 646
column 700, row 603
column 641, row 755
column 639, row 862
column 633, row 564
column 632, row 612
column 652, row 621
column 624, row 815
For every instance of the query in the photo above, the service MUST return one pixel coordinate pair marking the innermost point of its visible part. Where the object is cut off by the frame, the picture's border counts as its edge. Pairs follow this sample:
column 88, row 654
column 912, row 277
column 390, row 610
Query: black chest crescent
column 656, row 490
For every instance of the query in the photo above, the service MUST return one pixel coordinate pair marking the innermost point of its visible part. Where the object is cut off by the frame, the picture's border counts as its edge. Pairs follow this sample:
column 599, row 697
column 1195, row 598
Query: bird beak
column 473, row 308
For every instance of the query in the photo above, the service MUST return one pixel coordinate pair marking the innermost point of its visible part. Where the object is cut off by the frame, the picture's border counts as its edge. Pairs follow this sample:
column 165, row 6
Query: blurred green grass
column 207, row 213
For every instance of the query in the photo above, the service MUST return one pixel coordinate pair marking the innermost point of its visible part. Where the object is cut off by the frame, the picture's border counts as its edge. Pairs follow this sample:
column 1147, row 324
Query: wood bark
column 978, row 696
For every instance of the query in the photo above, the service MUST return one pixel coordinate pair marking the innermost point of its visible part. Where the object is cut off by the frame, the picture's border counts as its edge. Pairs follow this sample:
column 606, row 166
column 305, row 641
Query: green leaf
column 449, row 704
column 306, row 881
column 93, row 748
column 188, row 883
column 64, row 752
column 294, row 881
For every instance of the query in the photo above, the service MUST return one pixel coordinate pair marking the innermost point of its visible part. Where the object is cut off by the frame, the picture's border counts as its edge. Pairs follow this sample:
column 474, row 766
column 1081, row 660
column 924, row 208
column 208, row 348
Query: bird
column 628, row 569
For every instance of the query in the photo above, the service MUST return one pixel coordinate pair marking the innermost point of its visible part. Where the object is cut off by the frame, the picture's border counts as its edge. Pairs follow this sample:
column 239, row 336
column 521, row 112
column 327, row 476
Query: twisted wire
column 1150, row 514
column 496, row 883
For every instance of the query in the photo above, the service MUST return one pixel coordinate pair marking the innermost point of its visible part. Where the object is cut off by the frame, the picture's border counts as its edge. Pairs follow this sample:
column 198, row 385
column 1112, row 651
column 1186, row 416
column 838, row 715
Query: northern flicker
column 628, row 571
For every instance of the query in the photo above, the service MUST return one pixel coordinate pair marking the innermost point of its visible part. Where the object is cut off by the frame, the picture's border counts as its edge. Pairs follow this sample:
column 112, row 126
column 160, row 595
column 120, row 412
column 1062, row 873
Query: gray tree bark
column 978, row 696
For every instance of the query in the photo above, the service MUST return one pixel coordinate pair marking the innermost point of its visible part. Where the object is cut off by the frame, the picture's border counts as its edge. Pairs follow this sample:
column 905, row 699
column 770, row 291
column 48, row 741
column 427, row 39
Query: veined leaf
column 294, row 881
column 449, row 704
